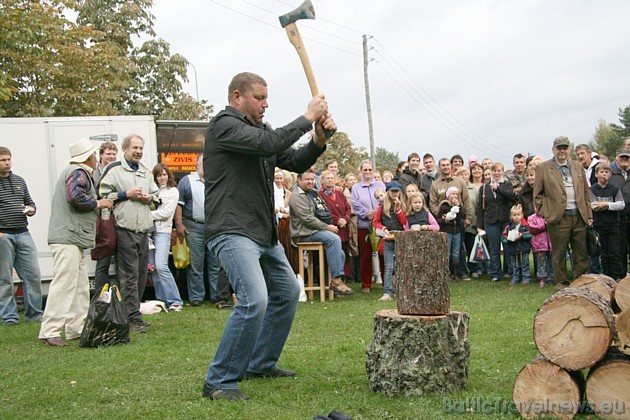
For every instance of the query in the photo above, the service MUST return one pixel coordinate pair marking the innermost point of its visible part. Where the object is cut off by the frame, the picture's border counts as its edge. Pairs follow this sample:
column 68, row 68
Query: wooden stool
column 310, row 248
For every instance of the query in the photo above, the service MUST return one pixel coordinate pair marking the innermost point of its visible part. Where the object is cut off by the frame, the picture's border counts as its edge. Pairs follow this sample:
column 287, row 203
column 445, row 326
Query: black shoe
column 146, row 323
column 223, row 394
column 276, row 373
column 137, row 327
column 223, row 305
column 196, row 302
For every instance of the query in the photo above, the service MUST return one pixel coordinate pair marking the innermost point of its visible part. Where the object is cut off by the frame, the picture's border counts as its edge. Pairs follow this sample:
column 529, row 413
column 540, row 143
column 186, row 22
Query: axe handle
column 296, row 41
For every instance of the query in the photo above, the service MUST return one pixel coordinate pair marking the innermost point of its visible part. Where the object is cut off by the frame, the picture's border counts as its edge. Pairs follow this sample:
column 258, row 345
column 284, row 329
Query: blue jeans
column 198, row 256
column 389, row 252
column 454, row 244
column 256, row 330
column 163, row 280
column 494, row 232
column 334, row 254
column 18, row 251
column 520, row 267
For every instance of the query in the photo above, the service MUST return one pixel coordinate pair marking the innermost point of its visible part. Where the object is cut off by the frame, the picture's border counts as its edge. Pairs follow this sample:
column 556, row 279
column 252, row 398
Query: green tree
column 341, row 149
column 386, row 160
column 623, row 129
column 606, row 140
column 186, row 108
column 53, row 67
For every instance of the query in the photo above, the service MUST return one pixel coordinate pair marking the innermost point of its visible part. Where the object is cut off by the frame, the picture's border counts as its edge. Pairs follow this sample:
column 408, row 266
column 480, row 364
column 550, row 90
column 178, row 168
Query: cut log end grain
column 574, row 328
column 600, row 283
column 542, row 388
column 622, row 293
column 621, row 340
column 608, row 387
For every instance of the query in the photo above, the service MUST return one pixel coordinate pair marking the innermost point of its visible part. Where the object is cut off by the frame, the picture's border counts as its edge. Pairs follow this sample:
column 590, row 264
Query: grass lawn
column 160, row 374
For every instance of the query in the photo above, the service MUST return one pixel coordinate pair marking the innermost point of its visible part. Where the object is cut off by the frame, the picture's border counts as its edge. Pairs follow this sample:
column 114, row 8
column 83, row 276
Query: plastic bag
column 593, row 246
column 107, row 323
column 374, row 239
column 181, row 254
column 479, row 250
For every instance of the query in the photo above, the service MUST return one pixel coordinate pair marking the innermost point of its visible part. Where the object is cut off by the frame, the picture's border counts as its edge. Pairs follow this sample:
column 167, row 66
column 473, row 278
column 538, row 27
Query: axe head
column 304, row 11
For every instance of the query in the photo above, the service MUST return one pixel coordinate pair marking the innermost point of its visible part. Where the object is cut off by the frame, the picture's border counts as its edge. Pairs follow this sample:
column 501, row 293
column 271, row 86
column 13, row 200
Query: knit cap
column 450, row 191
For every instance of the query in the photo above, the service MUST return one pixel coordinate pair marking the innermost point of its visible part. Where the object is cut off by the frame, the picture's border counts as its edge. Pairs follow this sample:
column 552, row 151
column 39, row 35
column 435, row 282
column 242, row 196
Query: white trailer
column 39, row 148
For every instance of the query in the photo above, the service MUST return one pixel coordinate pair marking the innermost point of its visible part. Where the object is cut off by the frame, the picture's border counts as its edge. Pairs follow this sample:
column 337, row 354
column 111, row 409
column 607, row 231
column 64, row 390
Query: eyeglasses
column 367, row 170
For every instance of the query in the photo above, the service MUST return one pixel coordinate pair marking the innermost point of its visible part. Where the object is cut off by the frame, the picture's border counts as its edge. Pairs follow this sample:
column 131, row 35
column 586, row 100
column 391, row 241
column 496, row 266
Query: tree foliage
column 341, row 149
column 52, row 66
column 386, row 160
column 608, row 138
column 623, row 129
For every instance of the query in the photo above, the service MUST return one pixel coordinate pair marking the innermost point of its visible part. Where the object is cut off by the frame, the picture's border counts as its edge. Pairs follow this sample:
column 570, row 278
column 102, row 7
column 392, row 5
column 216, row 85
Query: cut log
column 418, row 355
column 600, row 283
column 608, row 387
column 621, row 340
column 574, row 328
column 542, row 388
column 622, row 293
column 422, row 273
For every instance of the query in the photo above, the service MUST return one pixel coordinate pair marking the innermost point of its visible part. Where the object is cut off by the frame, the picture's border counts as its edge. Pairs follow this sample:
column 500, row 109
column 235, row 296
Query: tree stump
column 608, row 386
column 417, row 355
column 621, row 340
column 574, row 328
column 622, row 293
column 542, row 388
column 600, row 283
column 422, row 273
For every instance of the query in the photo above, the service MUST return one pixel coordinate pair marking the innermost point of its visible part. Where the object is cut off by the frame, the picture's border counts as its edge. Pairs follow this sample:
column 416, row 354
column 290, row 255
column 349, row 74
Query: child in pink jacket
column 541, row 246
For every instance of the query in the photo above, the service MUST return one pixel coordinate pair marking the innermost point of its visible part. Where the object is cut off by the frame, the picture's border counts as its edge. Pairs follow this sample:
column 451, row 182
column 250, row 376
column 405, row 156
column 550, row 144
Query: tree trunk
column 621, row 340
column 574, row 328
column 622, row 293
column 542, row 388
column 417, row 355
column 600, row 283
column 422, row 273
column 608, row 386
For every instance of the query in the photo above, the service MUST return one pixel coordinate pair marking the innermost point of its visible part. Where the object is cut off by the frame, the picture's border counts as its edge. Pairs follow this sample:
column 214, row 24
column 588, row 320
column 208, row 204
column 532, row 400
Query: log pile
column 422, row 347
column 576, row 329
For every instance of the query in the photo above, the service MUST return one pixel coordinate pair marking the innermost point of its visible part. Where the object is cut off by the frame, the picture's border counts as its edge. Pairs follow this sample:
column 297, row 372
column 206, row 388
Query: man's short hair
column 108, row 145
column 518, row 156
column 330, row 162
column 444, row 160
column 413, row 155
column 243, row 82
column 308, row 171
column 127, row 140
column 583, row 147
column 427, row 156
column 4, row 151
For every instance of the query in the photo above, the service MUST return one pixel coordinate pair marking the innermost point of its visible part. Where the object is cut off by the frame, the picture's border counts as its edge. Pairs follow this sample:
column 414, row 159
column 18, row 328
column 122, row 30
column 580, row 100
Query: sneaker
column 11, row 322
column 339, row 287
column 464, row 278
column 525, row 282
column 175, row 307
column 385, row 298
column 494, row 279
column 137, row 327
column 475, row 274
column 223, row 394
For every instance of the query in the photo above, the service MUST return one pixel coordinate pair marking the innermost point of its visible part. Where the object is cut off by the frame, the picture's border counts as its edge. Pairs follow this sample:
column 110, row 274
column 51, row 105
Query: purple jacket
column 363, row 200
column 538, row 229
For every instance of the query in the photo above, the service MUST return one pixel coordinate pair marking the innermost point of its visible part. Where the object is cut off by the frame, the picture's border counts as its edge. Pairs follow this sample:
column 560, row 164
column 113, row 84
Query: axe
column 304, row 11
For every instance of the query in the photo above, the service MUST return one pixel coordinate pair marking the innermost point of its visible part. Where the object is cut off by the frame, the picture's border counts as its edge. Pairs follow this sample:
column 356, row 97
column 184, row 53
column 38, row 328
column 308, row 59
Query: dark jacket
column 450, row 226
column 239, row 161
column 407, row 177
column 618, row 181
column 521, row 245
column 609, row 194
column 526, row 200
column 491, row 209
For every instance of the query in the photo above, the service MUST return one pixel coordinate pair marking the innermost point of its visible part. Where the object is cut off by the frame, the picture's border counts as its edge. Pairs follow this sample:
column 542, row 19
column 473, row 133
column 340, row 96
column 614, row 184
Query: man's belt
column 571, row 212
column 196, row 221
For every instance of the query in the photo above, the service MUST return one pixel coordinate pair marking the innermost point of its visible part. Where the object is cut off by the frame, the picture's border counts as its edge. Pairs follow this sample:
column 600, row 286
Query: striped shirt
column 14, row 196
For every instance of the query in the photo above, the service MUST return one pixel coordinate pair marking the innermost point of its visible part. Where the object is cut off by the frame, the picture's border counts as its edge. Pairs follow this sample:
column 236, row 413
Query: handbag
column 105, row 236
column 593, row 245
column 479, row 252
column 107, row 323
column 321, row 210
column 181, row 254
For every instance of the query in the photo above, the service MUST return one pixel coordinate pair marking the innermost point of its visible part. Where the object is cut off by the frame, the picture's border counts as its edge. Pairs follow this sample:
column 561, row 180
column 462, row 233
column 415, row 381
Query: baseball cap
column 561, row 141
column 623, row 152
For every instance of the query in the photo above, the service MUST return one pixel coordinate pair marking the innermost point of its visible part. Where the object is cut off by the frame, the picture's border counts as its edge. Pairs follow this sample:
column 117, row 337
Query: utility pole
column 367, row 101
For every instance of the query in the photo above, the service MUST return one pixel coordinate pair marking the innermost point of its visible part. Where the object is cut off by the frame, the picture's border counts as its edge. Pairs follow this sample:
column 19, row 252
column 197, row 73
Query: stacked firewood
column 585, row 326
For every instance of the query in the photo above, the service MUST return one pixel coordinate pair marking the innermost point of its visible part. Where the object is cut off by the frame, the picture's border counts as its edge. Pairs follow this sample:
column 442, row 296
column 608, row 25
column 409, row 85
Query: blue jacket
column 521, row 245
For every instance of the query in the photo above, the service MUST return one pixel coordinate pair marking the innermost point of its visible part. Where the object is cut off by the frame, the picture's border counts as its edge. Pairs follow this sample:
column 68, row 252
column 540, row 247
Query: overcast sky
column 491, row 78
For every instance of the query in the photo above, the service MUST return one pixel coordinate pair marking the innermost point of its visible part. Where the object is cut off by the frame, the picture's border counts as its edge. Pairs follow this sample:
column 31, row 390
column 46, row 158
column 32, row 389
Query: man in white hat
column 72, row 229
